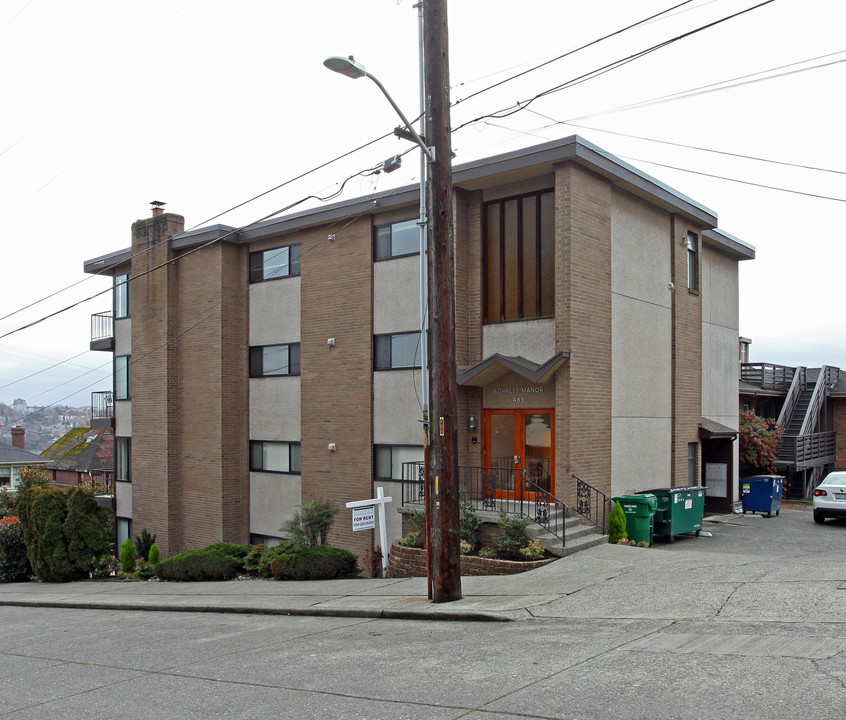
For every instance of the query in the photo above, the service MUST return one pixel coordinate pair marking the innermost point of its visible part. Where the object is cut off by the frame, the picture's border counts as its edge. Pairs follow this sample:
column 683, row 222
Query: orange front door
column 520, row 449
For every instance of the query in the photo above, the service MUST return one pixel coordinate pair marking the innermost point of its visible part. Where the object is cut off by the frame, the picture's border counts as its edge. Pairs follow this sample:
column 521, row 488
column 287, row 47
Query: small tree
column 14, row 565
column 127, row 557
column 617, row 524
column 310, row 527
column 154, row 557
column 143, row 543
column 33, row 476
column 758, row 442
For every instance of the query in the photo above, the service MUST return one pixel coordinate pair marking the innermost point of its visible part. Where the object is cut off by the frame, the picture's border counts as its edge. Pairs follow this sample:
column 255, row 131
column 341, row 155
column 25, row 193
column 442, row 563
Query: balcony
column 103, row 331
column 103, row 409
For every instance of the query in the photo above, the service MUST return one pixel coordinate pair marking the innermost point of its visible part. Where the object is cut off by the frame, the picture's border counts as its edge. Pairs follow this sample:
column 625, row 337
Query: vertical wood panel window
column 519, row 258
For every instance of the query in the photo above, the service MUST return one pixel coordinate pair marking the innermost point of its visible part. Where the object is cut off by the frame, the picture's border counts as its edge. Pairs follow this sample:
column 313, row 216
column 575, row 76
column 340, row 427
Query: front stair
column 580, row 535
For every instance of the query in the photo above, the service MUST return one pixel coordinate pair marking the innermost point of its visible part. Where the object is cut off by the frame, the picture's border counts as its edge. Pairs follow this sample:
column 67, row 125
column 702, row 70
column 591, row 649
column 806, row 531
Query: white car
column 830, row 497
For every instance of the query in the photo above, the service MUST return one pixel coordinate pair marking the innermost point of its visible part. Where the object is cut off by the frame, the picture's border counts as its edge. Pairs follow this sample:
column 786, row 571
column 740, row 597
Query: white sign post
column 363, row 519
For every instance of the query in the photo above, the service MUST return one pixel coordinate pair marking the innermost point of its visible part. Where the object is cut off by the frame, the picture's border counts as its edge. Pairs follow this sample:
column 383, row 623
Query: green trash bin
column 640, row 514
column 680, row 510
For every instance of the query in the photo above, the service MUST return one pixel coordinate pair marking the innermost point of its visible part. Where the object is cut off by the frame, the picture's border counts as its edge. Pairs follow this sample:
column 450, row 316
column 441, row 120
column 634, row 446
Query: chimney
column 18, row 438
column 158, row 207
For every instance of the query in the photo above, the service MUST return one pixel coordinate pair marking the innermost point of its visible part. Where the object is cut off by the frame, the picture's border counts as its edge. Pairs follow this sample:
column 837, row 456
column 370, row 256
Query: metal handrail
column 797, row 386
column 102, row 326
column 821, row 391
column 592, row 503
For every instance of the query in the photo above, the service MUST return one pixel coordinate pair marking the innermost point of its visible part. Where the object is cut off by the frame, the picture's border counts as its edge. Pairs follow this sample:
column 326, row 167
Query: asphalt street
column 747, row 623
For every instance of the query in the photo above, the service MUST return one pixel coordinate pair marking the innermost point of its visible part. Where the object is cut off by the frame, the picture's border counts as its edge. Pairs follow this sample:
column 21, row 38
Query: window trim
column 377, row 257
column 291, row 445
column 128, row 359
column 257, row 263
column 255, row 357
column 390, row 336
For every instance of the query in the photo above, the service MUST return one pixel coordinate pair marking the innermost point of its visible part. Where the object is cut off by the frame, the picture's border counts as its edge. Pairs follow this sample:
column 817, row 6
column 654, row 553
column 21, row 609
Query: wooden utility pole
column 442, row 490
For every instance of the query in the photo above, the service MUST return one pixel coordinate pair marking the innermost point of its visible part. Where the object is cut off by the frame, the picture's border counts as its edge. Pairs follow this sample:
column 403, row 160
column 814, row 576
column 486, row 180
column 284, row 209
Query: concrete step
column 579, row 536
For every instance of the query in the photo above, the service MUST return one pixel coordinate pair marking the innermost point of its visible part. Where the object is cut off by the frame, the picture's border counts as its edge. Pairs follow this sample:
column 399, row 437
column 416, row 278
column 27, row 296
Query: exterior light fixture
column 472, row 423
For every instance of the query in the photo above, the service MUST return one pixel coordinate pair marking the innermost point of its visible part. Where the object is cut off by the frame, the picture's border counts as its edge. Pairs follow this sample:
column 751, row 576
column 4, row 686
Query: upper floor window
column 396, row 239
column 121, row 295
column 273, row 264
column 122, row 377
column 123, row 459
column 518, row 257
column 396, row 350
column 281, row 457
column 692, row 244
column 275, row 360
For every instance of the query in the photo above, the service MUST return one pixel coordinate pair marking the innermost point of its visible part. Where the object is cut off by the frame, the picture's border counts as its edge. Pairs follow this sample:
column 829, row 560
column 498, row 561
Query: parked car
column 830, row 497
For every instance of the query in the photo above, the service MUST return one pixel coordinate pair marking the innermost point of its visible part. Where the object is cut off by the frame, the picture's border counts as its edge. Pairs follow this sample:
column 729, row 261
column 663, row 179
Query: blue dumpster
column 762, row 494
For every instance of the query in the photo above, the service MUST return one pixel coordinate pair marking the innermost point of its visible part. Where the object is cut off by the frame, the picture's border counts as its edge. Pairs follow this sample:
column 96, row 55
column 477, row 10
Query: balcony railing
column 102, row 331
column 803, row 451
column 767, row 376
column 102, row 408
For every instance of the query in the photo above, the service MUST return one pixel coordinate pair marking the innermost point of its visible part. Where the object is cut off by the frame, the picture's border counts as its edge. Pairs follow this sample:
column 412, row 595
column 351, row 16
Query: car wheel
column 819, row 517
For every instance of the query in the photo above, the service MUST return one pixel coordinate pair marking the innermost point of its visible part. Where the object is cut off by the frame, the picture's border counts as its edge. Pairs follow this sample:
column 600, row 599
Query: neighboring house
column 254, row 369
column 810, row 404
column 84, row 456
column 14, row 457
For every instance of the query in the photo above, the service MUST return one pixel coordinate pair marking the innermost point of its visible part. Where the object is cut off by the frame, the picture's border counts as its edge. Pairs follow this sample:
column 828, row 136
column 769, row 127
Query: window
column 123, row 461
column 5, row 476
column 275, row 360
column 121, row 295
column 273, row 264
column 396, row 351
column 389, row 459
column 519, row 257
column 124, row 530
column 396, row 239
column 122, row 385
column 692, row 243
column 692, row 452
column 281, row 457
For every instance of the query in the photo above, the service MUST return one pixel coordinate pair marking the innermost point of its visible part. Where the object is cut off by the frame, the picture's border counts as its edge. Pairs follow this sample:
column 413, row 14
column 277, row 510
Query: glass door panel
column 518, row 440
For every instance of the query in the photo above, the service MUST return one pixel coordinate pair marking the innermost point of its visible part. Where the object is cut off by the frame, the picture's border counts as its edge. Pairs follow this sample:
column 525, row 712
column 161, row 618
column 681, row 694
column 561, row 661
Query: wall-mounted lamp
column 331, row 237
column 472, row 423
column 331, row 342
column 332, row 447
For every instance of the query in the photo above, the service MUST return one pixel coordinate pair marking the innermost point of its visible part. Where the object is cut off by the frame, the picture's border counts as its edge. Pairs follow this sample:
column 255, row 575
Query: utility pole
column 443, row 480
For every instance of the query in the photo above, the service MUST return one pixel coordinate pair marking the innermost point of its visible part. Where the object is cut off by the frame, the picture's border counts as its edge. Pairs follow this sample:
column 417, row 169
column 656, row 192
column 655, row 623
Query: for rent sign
column 364, row 518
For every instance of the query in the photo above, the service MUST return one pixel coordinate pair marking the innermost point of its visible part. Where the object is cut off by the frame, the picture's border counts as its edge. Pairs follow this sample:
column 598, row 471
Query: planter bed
column 411, row 562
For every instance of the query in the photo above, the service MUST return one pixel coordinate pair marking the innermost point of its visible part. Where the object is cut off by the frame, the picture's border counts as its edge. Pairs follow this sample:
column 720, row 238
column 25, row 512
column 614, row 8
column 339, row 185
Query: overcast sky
column 205, row 104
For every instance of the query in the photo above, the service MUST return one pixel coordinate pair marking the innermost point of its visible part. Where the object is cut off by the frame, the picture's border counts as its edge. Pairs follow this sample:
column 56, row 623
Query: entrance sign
column 365, row 507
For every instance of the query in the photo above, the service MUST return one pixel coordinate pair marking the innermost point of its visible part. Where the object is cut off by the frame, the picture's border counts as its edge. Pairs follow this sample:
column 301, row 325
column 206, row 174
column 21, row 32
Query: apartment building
column 597, row 333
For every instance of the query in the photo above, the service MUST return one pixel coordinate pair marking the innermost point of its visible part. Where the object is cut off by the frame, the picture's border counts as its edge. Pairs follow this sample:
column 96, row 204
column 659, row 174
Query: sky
column 206, row 104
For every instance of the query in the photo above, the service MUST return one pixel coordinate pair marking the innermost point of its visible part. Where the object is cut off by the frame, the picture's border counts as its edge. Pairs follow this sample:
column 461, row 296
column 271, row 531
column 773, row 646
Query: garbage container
column 762, row 494
column 679, row 510
column 640, row 514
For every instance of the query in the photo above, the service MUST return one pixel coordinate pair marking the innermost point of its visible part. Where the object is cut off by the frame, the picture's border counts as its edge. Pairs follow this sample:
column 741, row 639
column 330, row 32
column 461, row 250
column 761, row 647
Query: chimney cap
column 157, row 203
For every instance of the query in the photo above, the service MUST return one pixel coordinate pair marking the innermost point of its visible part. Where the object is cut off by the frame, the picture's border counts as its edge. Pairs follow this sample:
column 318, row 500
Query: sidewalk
column 693, row 578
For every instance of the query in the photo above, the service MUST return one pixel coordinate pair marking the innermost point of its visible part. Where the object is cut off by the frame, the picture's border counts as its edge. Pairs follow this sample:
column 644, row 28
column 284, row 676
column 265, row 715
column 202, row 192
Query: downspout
column 673, row 369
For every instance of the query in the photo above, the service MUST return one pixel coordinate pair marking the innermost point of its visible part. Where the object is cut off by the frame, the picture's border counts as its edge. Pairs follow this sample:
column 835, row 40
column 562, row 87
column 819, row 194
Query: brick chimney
column 18, row 438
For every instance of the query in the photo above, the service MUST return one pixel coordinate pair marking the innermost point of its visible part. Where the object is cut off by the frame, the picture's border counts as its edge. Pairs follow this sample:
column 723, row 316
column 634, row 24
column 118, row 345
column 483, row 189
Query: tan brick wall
column 189, row 399
column 337, row 382
column 687, row 355
column 583, row 326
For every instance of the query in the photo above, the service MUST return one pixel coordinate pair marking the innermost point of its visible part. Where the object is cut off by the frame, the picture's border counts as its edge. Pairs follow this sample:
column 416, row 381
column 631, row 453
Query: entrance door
column 517, row 441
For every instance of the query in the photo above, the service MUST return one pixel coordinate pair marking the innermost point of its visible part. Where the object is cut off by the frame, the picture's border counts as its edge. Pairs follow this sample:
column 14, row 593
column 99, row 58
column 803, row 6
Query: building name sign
column 519, row 393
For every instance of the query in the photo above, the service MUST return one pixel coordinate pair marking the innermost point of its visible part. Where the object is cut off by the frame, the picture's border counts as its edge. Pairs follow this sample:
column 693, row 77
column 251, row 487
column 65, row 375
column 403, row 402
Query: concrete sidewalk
column 750, row 568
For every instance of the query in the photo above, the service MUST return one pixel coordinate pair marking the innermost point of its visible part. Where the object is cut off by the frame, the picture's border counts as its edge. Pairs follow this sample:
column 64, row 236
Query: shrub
column 195, row 565
column 127, row 557
column 143, row 543
column 33, row 476
column 413, row 540
column 617, row 524
column 465, row 548
column 88, row 529
column 226, row 549
column 512, row 537
column 144, row 571
column 469, row 524
column 310, row 527
column 154, row 556
column 322, row 562
column 8, row 503
column 533, row 551
column 271, row 554
column 486, row 552
column 42, row 512
column 14, row 565
column 104, row 566
column 417, row 522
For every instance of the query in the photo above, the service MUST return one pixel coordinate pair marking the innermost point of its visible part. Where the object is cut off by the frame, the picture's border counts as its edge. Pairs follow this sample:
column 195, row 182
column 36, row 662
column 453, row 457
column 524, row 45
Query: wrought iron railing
column 102, row 405
column 102, row 326
column 495, row 489
column 592, row 504
column 767, row 376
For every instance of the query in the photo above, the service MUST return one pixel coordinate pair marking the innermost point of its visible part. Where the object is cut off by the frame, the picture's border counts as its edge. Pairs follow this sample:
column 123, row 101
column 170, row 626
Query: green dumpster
column 679, row 510
column 640, row 514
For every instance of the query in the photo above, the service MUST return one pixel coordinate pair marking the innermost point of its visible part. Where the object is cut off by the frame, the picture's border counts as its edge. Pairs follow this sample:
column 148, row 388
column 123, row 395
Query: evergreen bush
column 88, row 529
column 14, row 565
column 199, row 565
column 268, row 555
column 512, row 535
column 143, row 543
column 469, row 524
column 322, row 562
column 617, row 524
column 154, row 557
column 127, row 557
column 42, row 513
column 310, row 527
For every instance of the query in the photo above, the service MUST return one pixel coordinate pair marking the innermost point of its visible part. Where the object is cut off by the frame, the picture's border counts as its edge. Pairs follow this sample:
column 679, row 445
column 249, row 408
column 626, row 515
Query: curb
column 441, row 615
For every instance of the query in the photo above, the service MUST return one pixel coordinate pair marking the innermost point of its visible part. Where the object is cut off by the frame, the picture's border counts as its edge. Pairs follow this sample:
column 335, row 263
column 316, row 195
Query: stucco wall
column 641, row 377
column 273, row 501
column 396, row 295
column 275, row 312
column 531, row 339
column 396, row 408
column 275, row 409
